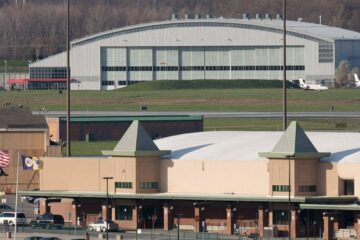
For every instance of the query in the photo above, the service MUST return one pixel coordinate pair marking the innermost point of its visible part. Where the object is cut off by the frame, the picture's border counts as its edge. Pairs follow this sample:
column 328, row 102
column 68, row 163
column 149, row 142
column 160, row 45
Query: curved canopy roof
column 244, row 146
column 299, row 29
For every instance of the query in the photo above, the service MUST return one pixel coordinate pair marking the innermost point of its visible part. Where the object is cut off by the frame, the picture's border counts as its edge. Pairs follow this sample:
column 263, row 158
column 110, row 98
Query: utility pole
column 284, row 69
column 68, row 143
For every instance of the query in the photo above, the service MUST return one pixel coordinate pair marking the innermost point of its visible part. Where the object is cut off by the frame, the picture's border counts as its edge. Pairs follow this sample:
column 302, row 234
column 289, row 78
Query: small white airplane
column 316, row 87
column 357, row 81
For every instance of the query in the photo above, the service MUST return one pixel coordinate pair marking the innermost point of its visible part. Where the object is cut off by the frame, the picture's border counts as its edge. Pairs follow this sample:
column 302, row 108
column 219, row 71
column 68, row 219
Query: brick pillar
column 229, row 221
column 198, row 219
column 336, row 223
column 74, row 212
column 357, row 224
column 294, row 223
column 328, row 228
column 168, row 218
column 261, row 221
column 270, row 218
column 44, row 206
column 104, row 212
column 135, row 213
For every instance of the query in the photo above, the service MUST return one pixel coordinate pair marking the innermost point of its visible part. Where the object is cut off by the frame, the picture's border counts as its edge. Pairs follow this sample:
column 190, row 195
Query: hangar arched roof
column 245, row 145
column 311, row 31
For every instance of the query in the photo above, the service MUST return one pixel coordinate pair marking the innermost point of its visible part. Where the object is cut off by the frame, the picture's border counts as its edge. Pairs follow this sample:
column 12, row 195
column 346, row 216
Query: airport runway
column 210, row 114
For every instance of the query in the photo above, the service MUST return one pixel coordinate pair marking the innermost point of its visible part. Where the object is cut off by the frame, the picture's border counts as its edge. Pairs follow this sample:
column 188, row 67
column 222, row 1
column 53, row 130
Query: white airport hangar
column 197, row 49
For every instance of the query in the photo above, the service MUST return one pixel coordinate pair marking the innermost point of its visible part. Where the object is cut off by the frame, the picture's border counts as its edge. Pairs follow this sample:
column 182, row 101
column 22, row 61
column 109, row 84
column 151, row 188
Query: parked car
column 5, row 208
column 48, row 220
column 8, row 218
column 33, row 238
column 100, row 226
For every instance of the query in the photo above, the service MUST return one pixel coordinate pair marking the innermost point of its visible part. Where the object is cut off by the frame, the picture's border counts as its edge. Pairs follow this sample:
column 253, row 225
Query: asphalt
column 329, row 114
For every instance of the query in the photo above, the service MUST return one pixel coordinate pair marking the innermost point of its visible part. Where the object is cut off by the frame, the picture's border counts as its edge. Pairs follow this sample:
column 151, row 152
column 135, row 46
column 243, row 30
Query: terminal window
column 307, row 188
column 123, row 212
column 149, row 185
column 349, row 187
column 123, row 184
column 280, row 188
column 280, row 217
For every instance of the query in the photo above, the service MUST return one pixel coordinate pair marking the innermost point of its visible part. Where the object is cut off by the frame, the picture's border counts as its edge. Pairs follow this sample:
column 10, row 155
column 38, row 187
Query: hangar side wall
column 86, row 58
column 349, row 50
column 214, row 177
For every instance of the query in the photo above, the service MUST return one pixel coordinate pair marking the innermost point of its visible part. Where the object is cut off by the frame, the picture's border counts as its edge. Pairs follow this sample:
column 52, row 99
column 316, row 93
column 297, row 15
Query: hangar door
column 113, row 67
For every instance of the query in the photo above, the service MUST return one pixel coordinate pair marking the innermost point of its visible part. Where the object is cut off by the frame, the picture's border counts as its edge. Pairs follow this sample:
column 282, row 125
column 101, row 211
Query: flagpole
column 16, row 192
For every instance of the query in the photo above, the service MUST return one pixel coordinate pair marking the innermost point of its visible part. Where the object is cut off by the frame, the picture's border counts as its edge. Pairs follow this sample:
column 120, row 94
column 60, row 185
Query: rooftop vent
column 278, row 17
column 245, row 16
column 197, row 16
column 268, row 16
column 208, row 16
column 300, row 19
column 187, row 16
column 174, row 16
column 258, row 16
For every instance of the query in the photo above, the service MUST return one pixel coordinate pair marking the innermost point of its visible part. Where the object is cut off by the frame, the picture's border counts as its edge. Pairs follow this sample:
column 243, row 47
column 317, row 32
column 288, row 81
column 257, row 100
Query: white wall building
column 197, row 49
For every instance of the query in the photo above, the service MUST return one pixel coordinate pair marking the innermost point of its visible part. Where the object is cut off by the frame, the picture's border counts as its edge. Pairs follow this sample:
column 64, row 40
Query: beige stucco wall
column 85, row 173
column 53, row 124
column 147, row 170
column 214, row 177
column 328, row 181
column 350, row 171
column 279, row 175
column 306, row 173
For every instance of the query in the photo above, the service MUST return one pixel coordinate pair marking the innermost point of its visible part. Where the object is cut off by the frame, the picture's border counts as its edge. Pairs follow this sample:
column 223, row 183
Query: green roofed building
column 88, row 128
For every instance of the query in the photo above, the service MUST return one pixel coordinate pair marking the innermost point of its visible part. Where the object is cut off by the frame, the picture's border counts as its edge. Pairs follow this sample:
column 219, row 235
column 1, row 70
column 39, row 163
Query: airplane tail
column 356, row 78
column 301, row 81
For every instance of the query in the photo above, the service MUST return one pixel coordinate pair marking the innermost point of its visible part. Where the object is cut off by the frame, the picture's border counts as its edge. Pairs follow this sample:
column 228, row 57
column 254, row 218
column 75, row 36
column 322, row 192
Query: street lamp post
column 107, row 206
column 289, row 192
column 178, row 227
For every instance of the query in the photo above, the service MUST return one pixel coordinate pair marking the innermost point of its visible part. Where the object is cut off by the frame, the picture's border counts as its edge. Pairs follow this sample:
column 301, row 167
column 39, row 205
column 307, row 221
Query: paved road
column 212, row 114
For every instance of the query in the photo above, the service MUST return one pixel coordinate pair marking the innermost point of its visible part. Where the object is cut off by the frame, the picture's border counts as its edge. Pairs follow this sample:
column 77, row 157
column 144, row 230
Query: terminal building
column 224, row 181
column 197, row 49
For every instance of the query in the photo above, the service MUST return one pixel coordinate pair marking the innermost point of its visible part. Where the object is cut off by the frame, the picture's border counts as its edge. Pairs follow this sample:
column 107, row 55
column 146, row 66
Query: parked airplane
column 316, row 87
column 357, row 81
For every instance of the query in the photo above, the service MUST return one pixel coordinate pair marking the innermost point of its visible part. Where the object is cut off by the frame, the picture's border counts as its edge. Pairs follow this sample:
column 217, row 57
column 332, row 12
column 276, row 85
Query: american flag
column 4, row 158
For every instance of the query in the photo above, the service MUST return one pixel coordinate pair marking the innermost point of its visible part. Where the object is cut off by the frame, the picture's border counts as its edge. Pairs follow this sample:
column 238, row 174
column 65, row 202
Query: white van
column 8, row 218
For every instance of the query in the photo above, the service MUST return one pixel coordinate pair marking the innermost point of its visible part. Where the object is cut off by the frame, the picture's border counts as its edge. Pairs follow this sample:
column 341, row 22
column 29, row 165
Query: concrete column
column 229, row 221
column 44, row 206
column 168, row 218
column 294, row 223
column 261, row 221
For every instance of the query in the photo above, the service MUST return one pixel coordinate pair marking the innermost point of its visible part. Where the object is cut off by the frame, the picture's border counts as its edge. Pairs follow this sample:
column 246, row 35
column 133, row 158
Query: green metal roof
column 161, row 196
column 348, row 207
column 294, row 143
column 132, row 118
column 135, row 142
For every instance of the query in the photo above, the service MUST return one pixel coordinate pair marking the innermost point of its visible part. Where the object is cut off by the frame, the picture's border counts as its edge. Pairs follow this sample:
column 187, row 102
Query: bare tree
column 341, row 75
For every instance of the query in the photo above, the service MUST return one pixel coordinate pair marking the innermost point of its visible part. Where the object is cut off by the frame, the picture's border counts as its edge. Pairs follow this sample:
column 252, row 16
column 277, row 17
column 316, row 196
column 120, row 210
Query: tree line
column 34, row 29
